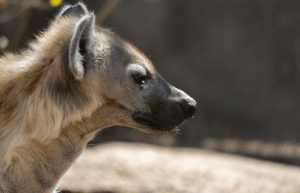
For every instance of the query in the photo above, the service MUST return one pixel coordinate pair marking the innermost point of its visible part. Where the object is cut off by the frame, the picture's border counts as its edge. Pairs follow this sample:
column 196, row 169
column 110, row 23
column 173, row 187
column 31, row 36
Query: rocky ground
column 140, row 168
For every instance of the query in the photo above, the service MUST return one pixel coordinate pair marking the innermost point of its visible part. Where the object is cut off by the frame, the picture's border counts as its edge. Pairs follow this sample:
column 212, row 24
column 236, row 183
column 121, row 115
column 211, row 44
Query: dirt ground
column 139, row 168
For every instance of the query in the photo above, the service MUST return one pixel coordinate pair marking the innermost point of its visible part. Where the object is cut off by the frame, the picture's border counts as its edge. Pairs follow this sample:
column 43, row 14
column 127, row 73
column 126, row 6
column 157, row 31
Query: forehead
column 128, row 52
column 140, row 57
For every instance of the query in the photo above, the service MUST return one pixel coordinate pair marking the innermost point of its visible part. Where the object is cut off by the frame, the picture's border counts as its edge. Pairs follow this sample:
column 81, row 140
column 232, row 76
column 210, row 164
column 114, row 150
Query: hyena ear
column 77, row 10
column 75, row 53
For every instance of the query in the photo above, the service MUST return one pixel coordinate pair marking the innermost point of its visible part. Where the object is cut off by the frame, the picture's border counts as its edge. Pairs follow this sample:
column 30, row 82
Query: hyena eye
column 140, row 79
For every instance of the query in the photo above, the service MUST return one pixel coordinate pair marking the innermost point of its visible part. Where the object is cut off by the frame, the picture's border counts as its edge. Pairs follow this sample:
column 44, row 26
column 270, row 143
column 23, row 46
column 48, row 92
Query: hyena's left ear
column 77, row 10
column 75, row 52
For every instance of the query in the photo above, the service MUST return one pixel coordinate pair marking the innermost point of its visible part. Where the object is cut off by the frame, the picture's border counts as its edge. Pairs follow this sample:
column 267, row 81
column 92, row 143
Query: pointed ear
column 77, row 10
column 75, row 52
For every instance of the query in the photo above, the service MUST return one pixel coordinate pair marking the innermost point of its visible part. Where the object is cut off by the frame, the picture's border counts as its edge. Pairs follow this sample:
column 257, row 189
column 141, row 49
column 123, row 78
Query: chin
column 148, row 124
column 155, row 129
column 163, row 128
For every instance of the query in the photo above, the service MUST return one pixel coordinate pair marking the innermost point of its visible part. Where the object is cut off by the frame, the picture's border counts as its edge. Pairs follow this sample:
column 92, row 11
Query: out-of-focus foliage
column 11, row 9
column 56, row 3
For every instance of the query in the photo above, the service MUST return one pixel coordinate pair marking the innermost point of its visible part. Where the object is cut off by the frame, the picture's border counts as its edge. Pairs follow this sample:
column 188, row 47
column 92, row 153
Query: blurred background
column 238, row 58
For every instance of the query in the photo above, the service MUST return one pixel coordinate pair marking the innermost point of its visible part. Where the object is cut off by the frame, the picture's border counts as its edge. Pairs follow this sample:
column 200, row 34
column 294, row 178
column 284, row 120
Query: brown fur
column 53, row 102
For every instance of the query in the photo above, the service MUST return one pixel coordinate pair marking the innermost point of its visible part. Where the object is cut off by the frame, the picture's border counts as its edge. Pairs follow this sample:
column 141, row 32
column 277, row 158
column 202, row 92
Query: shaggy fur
column 73, row 81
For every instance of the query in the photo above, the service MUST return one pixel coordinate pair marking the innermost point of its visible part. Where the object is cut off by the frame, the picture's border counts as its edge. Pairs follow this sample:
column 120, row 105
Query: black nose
column 189, row 107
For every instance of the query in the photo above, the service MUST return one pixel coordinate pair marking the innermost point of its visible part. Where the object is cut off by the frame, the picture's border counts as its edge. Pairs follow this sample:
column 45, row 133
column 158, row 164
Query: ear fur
column 76, row 47
column 77, row 10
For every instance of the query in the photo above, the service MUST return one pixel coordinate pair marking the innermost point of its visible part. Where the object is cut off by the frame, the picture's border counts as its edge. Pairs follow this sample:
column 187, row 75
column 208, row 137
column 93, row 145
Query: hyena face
column 152, row 102
column 127, row 78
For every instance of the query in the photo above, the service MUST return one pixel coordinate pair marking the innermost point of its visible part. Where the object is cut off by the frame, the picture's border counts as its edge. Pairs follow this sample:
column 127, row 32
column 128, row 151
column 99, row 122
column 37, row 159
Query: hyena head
column 134, row 94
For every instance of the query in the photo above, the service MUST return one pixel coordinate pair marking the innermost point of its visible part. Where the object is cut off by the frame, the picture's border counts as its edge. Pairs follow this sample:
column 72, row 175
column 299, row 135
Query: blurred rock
column 140, row 168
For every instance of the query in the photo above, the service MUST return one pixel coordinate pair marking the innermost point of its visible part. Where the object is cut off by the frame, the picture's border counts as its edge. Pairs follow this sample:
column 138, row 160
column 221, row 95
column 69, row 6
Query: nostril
column 188, row 107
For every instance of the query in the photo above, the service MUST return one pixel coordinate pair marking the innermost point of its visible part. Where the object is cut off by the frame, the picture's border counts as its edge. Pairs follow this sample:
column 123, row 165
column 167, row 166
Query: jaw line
column 151, row 124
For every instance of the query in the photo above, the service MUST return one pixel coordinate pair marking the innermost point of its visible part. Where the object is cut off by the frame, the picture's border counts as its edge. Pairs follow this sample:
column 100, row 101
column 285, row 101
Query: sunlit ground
column 139, row 168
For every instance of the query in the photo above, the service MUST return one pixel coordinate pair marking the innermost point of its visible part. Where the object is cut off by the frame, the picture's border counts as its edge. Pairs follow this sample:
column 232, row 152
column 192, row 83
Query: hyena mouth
column 148, row 120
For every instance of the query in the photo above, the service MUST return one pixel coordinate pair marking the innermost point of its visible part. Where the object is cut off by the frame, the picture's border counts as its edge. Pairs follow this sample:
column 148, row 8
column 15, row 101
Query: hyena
column 74, row 80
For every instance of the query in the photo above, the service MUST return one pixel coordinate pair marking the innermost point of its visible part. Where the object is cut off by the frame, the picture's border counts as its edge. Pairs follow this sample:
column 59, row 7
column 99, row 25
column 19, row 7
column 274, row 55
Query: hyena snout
column 168, row 112
column 188, row 107
column 175, row 110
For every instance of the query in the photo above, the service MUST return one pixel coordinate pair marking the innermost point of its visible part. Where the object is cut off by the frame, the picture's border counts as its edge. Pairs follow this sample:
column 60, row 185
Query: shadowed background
column 238, row 59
